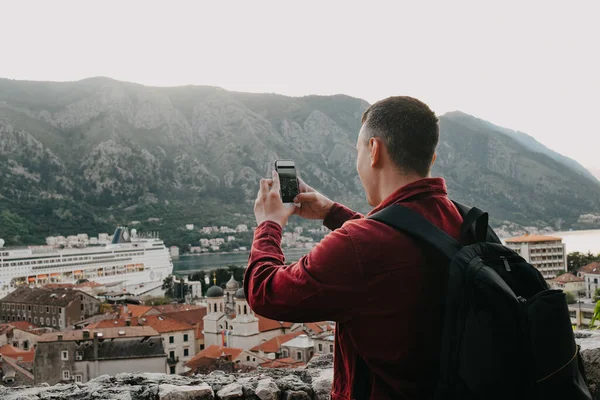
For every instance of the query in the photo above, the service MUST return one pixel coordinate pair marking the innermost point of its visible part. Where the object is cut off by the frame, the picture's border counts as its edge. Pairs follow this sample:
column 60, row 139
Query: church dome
column 214, row 291
column 232, row 284
column 240, row 294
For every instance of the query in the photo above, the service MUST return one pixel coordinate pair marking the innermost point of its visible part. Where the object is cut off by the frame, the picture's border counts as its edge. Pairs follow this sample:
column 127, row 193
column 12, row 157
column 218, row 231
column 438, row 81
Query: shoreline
column 247, row 252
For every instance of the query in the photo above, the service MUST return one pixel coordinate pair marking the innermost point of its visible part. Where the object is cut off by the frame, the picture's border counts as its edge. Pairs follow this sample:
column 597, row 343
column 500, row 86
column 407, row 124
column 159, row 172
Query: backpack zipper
column 506, row 265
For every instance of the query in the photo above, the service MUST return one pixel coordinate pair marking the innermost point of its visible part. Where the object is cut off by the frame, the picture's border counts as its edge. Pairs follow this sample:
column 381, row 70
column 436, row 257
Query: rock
column 591, row 361
column 322, row 384
column 293, row 383
column 173, row 392
column 322, row 361
column 231, row 391
column 267, row 390
column 295, row 395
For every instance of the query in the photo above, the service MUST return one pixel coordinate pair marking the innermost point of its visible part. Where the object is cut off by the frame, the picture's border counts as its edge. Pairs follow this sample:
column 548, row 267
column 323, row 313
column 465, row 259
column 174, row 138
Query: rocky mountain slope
column 83, row 156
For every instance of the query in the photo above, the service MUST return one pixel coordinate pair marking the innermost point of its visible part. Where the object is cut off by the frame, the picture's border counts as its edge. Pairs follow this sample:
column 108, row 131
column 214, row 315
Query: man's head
column 398, row 138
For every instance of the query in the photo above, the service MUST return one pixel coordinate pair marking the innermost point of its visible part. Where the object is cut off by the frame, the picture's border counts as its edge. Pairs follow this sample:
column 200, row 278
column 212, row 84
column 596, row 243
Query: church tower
column 231, row 288
column 245, row 333
column 215, row 315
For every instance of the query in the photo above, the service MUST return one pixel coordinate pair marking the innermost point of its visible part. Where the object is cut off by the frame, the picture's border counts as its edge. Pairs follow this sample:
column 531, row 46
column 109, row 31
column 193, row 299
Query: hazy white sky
column 530, row 66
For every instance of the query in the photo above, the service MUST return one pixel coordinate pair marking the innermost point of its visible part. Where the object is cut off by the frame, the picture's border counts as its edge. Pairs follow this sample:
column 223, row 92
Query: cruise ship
column 139, row 263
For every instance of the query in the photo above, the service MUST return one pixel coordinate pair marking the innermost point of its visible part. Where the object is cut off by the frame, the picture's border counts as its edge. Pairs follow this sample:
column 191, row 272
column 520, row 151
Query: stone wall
column 310, row 383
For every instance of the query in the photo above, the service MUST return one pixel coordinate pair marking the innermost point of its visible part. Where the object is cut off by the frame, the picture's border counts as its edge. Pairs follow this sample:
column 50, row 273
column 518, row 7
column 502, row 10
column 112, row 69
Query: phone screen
column 288, row 183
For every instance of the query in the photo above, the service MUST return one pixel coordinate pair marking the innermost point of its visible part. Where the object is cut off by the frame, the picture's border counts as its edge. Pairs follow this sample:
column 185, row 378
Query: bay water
column 581, row 241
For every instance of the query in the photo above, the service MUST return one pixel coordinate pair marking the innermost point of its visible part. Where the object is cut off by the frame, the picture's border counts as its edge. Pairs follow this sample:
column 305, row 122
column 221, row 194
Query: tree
column 167, row 286
column 571, row 299
column 597, row 295
column 577, row 260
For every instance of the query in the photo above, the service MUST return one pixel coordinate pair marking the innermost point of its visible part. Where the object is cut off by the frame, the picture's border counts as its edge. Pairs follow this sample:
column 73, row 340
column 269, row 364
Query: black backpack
column 506, row 335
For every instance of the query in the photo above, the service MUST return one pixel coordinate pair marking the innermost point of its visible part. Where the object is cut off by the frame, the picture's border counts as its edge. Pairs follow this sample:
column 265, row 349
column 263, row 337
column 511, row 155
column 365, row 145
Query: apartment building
column 58, row 308
column 81, row 355
column 547, row 253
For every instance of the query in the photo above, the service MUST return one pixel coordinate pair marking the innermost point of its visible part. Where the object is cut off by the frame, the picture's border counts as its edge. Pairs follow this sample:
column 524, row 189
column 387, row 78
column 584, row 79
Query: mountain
column 84, row 156
column 523, row 138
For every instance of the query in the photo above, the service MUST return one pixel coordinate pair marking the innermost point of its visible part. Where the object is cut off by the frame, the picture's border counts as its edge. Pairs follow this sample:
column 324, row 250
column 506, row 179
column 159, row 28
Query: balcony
column 173, row 361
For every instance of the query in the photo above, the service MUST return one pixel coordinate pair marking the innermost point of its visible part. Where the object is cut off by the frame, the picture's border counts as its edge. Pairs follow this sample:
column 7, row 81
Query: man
column 382, row 288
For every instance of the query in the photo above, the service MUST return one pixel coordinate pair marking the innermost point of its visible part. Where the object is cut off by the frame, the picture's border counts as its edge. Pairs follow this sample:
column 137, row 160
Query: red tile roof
column 593, row 268
column 274, row 345
column 192, row 317
column 533, row 238
column 18, row 354
column 567, row 277
column 266, row 324
column 162, row 323
column 282, row 363
column 171, row 308
column 137, row 310
column 213, row 352
column 107, row 333
column 23, row 325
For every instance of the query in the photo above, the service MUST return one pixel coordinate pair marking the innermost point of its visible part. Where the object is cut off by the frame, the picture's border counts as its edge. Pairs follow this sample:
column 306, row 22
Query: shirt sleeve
column 324, row 285
column 338, row 215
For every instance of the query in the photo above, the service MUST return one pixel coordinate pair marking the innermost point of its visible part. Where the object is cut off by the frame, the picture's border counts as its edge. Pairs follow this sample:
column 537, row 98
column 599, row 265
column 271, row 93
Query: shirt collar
column 425, row 185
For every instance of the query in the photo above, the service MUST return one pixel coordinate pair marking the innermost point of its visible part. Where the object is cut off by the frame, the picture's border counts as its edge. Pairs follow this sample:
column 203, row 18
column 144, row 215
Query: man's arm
column 338, row 214
column 326, row 284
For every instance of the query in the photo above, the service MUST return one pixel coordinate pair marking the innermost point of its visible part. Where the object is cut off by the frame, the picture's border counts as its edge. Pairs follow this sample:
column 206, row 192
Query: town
column 58, row 332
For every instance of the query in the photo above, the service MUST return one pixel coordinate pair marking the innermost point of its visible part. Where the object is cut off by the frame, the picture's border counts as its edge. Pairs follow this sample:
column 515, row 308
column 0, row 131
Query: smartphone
column 287, row 179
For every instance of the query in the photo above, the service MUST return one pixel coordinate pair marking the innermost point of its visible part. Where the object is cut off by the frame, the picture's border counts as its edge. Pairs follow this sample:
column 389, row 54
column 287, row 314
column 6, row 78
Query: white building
column 301, row 348
column 244, row 331
column 204, row 242
column 241, row 228
column 591, row 276
column 230, row 238
column 174, row 251
column 189, row 227
column 546, row 253
column 51, row 241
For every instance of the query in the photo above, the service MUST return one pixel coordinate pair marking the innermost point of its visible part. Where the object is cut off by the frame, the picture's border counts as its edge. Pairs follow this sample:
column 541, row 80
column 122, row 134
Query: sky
column 532, row 66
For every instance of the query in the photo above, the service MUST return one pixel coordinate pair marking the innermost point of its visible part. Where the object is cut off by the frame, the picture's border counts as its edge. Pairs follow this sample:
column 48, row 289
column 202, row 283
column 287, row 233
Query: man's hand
column 313, row 205
column 268, row 205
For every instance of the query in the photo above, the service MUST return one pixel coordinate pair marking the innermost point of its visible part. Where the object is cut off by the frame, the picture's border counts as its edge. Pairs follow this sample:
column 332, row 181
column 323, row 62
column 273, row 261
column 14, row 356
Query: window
column 64, row 355
column 48, row 321
column 26, row 345
column 172, row 355
column 247, row 358
column 185, row 337
column 29, row 319
column 285, row 353
column 53, row 321
column 201, row 347
column 171, row 370
column 81, row 306
column 171, row 339
column 253, row 359
column 29, row 307
column 320, row 346
column 66, row 374
column 16, row 344
column 79, row 378
column 186, row 352
column 245, row 309
column 35, row 308
column 79, row 355
column 299, row 355
column 331, row 348
column 47, row 310
column 35, row 320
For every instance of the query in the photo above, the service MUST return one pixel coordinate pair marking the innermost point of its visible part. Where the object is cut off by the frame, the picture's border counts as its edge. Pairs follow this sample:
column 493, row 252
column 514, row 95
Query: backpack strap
column 469, row 233
column 478, row 220
column 411, row 222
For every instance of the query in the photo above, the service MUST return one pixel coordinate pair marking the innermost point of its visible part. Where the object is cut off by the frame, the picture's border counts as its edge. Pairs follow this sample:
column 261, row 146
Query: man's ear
column 375, row 147
column 434, row 158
